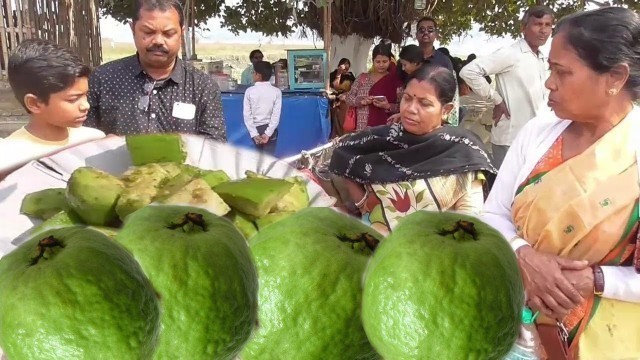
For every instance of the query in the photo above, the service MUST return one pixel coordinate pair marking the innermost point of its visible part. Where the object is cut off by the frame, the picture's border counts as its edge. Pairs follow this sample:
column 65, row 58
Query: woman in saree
column 374, row 94
column 416, row 164
column 567, row 194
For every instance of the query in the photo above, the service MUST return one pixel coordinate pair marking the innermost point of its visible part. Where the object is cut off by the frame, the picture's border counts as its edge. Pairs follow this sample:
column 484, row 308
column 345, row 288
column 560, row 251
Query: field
column 235, row 55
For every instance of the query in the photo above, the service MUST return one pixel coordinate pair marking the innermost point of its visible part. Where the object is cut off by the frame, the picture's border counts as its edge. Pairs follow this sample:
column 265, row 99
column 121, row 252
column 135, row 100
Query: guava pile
column 169, row 261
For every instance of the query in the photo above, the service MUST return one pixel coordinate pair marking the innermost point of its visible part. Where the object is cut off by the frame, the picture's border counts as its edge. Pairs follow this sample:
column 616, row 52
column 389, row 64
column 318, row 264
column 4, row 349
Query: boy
column 261, row 110
column 51, row 83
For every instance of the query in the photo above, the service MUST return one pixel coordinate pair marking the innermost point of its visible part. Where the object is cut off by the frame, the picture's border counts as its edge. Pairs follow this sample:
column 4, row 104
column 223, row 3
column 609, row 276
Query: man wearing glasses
column 154, row 91
column 427, row 34
column 247, row 75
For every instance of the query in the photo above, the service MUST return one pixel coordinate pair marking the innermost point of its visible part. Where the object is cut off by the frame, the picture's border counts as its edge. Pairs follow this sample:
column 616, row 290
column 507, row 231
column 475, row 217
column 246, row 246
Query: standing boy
column 261, row 110
column 51, row 83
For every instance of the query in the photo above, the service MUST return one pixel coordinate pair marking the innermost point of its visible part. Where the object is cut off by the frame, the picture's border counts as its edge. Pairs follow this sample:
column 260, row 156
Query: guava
column 141, row 185
column 310, row 268
column 272, row 218
column 199, row 194
column 156, row 148
column 253, row 196
column 202, row 269
column 69, row 218
column 44, row 204
column 442, row 286
column 214, row 177
column 243, row 223
column 93, row 195
column 296, row 199
column 72, row 293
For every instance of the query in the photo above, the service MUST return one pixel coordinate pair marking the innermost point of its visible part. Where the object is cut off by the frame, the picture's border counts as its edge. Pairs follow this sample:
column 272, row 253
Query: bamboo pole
column 327, row 40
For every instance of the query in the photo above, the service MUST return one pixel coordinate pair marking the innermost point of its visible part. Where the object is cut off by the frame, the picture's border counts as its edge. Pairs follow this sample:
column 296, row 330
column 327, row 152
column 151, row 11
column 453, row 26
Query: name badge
column 184, row 111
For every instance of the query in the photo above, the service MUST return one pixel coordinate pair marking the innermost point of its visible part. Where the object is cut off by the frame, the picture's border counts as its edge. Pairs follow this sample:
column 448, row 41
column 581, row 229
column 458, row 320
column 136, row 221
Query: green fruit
column 243, row 223
column 269, row 219
column 202, row 269
column 156, row 148
column 253, row 196
column 72, row 293
column 443, row 286
column 141, row 186
column 44, row 204
column 296, row 199
column 198, row 193
column 214, row 177
column 310, row 268
column 67, row 219
column 93, row 195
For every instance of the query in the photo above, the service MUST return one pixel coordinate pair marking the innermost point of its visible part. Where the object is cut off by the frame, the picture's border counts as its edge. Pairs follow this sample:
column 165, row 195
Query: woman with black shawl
column 417, row 163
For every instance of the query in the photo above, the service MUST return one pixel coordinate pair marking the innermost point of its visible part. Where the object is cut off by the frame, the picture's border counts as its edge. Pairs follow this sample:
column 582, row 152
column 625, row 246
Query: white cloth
column 21, row 146
column 262, row 106
column 535, row 139
column 520, row 75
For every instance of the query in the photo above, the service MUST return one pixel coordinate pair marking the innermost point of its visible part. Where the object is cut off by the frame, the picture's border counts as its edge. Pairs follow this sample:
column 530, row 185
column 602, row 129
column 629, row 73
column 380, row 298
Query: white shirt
column 21, row 146
column 262, row 106
column 520, row 75
column 535, row 139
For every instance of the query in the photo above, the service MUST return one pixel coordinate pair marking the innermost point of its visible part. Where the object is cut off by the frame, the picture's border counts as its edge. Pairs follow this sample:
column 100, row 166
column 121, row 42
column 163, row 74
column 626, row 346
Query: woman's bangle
column 363, row 201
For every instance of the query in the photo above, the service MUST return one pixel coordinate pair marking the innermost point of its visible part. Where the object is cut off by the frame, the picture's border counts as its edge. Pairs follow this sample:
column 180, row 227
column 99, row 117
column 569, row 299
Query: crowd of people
column 561, row 182
column 561, row 185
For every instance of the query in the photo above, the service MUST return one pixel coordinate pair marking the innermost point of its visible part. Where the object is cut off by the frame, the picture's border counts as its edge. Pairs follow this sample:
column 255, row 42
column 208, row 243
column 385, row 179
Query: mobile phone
column 379, row 98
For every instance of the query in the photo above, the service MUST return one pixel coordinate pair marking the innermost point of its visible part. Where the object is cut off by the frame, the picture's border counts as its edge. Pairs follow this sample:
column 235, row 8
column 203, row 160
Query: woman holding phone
column 374, row 94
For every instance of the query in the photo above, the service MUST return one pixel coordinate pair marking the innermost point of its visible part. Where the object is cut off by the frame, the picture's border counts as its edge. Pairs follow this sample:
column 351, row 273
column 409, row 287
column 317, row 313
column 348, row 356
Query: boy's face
column 67, row 108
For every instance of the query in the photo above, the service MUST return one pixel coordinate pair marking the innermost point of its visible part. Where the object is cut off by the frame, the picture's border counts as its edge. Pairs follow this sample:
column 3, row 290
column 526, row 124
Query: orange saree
column 586, row 208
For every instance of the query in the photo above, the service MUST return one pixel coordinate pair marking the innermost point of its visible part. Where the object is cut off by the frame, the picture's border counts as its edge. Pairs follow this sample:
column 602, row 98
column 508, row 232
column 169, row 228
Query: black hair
column 471, row 57
column 41, row 68
column 445, row 51
column 412, row 53
column 344, row 61
column 538, row 12
column 162, row 5
column 605, row 38
column 254, row 53
column 442, row 80
column 428, row 18
column 383, row 48
column 264, row 69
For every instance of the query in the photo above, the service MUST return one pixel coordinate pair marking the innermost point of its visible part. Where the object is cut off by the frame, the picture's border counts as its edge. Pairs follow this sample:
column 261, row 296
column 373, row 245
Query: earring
column 613, row 91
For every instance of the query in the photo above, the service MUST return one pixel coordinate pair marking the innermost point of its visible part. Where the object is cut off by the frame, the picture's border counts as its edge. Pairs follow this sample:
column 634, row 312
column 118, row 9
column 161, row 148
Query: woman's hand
column 582, row 280
column 546, row 287
column 366, row 102
column 383, row 104
column 393, row 119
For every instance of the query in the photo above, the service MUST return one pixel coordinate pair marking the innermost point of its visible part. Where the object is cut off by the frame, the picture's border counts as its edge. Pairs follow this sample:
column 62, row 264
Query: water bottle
column 527, row 347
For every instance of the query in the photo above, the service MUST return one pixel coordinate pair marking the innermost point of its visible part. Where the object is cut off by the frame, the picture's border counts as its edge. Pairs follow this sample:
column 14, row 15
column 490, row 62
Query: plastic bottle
column 527, row 347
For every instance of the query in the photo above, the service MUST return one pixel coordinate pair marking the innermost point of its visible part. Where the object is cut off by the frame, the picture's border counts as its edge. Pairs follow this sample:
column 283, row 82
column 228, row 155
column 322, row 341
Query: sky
column 473, row 42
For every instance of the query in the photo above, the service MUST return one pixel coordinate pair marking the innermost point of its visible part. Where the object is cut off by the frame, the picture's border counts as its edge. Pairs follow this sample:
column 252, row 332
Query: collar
column 263, row 83
column 177, row 75
column 525, row 48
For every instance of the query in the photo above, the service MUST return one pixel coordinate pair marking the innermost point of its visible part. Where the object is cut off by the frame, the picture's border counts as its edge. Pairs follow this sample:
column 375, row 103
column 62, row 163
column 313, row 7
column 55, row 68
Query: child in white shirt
column 52, row 84
column 261, row 109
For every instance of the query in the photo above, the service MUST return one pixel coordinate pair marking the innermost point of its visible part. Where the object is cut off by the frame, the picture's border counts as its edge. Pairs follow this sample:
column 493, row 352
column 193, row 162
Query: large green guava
column 202, row 269
column 442, row 286
column 310, row 268
column 72, row 293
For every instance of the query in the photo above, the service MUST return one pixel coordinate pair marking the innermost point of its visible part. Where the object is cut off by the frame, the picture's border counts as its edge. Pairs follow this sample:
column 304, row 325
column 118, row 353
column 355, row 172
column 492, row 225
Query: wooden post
column 327, row 39
column 193, row 30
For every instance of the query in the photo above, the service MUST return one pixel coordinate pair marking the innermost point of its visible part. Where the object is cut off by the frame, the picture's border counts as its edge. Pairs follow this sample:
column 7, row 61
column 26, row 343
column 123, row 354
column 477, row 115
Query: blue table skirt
column 304, row 122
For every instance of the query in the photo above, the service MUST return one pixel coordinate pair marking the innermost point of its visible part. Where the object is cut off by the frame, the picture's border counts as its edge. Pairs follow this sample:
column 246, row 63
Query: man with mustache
column 427, row 34
column 520, row 70
column 154, row 91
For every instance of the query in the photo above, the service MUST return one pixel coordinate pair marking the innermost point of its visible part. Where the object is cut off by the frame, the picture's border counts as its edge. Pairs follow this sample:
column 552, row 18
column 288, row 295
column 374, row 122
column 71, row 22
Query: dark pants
column 270, row 146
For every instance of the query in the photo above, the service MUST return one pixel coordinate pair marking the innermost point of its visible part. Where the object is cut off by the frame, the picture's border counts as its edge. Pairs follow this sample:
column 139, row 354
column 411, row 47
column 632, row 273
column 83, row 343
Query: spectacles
column 424, row 30
column 143, row 103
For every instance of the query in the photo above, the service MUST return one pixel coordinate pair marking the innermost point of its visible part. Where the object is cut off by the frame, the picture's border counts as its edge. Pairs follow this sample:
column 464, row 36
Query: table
column 304, row 121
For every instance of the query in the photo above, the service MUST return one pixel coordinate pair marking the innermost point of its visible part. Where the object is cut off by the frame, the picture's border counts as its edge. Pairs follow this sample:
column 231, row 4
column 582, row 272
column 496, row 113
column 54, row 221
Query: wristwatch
column 598, row 280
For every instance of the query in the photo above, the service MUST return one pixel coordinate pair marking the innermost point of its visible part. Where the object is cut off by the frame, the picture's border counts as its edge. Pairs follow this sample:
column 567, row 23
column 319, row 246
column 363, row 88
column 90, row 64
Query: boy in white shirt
column 261, row 109
column 52, row 84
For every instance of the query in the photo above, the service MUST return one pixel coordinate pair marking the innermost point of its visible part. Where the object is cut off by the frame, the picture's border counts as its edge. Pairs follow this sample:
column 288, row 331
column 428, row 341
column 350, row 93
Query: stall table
column 304, row 121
